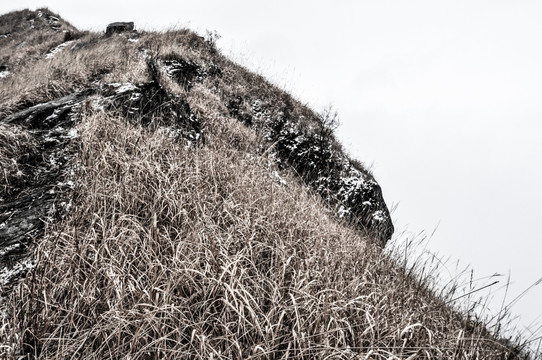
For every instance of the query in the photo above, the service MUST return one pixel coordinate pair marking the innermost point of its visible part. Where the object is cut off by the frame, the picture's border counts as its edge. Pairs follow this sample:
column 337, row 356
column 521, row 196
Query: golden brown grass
column 197, row 253
column 173, row 251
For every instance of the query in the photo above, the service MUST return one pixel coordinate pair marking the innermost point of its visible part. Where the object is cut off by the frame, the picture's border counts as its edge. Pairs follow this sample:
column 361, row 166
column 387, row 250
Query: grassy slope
column 185, row 250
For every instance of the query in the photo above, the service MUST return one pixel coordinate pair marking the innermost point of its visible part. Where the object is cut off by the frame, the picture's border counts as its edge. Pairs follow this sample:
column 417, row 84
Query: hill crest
column 166, row 202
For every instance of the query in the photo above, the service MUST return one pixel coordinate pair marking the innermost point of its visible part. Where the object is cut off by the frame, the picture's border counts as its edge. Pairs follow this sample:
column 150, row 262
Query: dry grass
column 71, row 70
column 210, row 251
column 174, row 252
column 17, row 147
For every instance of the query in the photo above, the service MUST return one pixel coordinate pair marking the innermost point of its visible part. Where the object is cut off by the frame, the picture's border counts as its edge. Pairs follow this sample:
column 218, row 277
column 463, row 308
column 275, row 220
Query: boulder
column 119, row 27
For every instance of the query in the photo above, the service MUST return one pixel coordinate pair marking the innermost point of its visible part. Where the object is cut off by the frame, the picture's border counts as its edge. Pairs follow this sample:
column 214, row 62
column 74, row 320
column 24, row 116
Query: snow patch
column 351, row 185
column 53, row 22
column 98, row 104
column 66, row 206
column 342, row 212
column 59, row 48
column 19, row 269
column 4, row 74
column 53, row 160
column 72, row 133
column 134, row 97
column 9, row 248
column 169, row 132
column 68, row 183
column 279, row 179
column 122, row 88
column 378, row 215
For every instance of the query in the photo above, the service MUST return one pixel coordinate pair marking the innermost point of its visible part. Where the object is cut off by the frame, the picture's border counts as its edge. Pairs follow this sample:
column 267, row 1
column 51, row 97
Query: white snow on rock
column 59, row 48
column 98, row 104
column 72, row 133
column 279, row 178
column 68, row 183
column 8, row 275
column 352, row 185
column 134, row 97
column 66, row 206
column 4, row 74
column 169, row 132
column 122, row 88
column 378, row 215
column 342, row 212
column 9, row 248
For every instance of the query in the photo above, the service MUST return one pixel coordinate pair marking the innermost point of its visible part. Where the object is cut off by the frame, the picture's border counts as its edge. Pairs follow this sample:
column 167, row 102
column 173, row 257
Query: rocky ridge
column 157, row 183
column 303, row 143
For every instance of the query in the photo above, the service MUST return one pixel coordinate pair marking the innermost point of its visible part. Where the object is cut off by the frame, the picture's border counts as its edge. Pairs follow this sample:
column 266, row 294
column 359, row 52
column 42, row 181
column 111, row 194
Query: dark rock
column 21, row 220
column 54, row 22
column 25, row 209
column 119, row 27
column 184, row 72
column 150, row 104
column 34, row 116
column 346, row 186
column 235, row 107
column 68, row 36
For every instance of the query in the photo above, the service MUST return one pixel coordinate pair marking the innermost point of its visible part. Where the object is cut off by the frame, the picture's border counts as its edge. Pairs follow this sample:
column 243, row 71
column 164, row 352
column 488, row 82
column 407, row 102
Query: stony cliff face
column 37, row 124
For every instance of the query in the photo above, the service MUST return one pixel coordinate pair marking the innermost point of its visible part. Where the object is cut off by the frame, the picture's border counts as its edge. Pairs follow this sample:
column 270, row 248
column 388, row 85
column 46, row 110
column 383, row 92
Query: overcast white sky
column 442, row 99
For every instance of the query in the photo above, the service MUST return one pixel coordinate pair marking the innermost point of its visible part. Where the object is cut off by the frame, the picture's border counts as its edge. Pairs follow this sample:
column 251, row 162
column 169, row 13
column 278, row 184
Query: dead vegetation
column 209, row 246
column 17, row 147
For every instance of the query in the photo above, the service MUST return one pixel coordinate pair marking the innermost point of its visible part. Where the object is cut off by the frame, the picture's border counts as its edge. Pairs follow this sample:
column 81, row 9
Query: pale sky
column 443, row 100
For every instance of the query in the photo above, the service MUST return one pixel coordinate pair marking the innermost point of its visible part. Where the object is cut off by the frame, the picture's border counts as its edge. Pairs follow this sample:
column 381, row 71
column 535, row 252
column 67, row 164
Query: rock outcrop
column 299, row 140
column 119, row 27
column 28, row 200
column 314, row 154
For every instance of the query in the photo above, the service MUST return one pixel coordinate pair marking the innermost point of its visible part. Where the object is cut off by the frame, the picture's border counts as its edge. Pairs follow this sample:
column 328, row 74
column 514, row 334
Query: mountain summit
column 158, row 201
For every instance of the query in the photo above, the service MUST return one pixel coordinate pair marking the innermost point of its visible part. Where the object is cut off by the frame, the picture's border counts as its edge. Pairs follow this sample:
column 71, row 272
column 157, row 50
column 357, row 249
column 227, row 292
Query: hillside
column 159, row 201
